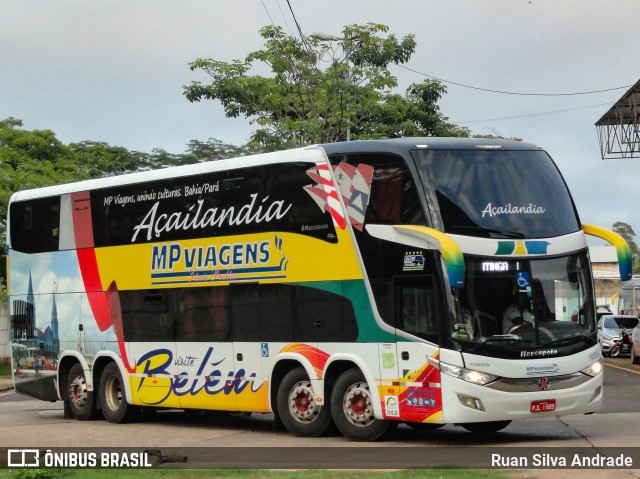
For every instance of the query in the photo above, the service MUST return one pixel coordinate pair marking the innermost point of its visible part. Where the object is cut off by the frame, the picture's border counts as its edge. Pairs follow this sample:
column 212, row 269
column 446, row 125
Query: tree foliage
column 198, row 152
column 626, row 231
column 36, row 158
column 324, row 89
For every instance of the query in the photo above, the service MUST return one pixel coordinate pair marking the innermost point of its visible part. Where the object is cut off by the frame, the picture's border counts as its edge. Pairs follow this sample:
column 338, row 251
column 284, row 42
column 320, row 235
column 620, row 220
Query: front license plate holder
column 543, row 406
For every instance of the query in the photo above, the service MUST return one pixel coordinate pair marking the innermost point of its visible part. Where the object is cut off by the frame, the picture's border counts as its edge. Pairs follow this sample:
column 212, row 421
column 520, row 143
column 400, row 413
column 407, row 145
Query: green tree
column 27, row 159
column 94, row 159
column 626, row 231
column 324, row 89
column 36, row 158
column 198, row 152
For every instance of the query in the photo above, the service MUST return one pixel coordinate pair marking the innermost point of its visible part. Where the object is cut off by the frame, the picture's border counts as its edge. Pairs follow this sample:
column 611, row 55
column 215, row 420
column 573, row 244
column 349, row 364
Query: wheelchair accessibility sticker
column 524, row 282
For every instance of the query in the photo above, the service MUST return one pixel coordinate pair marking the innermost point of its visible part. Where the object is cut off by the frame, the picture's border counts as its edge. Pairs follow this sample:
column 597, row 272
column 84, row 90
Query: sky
column 114, row 71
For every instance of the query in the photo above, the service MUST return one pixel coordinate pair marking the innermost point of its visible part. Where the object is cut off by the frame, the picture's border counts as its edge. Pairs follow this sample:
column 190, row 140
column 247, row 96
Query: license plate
column 543, row 406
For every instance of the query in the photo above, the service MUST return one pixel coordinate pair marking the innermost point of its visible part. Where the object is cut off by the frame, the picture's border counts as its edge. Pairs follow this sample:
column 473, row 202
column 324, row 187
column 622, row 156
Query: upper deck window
column 261, row 198
column 35, row 225
column 391, row 197
column 498, row 194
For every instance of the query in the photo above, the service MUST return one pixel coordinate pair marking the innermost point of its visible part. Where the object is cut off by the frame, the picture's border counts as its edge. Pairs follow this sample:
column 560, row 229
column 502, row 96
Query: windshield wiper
column 568, row 339
column 505, row 234
column 507, row 337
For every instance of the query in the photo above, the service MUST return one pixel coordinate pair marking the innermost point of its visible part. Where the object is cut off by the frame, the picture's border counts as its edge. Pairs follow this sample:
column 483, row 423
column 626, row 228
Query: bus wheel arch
column 279, row 371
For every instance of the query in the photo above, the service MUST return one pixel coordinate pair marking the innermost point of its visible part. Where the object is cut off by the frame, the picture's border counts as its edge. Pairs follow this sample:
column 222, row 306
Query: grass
column 5, row 369
column 249, row 474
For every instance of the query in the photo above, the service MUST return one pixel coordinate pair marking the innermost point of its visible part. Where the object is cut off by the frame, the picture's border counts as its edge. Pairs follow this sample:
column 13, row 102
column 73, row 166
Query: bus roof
column 400, row 145
column 312, row 153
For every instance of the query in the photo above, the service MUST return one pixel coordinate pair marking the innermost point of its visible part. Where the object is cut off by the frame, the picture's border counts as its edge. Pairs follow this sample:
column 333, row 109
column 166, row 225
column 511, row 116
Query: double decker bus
column 428, row 281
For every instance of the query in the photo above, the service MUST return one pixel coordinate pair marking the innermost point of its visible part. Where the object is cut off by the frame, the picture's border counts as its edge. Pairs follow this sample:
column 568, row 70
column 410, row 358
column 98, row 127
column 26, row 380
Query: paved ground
column 602, row 430
column 6, row 383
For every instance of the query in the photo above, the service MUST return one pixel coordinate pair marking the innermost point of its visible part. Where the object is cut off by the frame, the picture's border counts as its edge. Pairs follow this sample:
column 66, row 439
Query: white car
column 635, row 347
column 610, row 327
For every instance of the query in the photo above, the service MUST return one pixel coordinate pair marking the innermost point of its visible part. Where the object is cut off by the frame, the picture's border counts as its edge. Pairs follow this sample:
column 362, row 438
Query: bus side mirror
column 622, row 248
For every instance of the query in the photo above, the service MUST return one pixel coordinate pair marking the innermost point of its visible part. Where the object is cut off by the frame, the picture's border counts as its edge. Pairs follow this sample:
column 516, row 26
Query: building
column 38, row 346
column 606, row 276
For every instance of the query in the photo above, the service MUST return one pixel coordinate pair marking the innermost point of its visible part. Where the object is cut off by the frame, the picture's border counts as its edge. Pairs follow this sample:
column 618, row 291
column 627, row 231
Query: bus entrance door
column 389, row 386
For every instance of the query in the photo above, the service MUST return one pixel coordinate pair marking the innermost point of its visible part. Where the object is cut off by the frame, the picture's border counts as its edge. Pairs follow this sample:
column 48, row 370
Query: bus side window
column 146, row 315
column 416, row 306
column 276, row 316
column 35, row 225
column 324, row 316
column 245, row 312
column 385, row 203
column 202, row 314
column 262, row 312
column 393, row 196
column 219, row 312
column 286, row 183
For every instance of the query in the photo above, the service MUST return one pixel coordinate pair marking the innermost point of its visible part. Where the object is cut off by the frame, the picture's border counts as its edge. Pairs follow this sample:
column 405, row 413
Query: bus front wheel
column 352, row 409
column 112, row 398
column 298, row 407
column 79, row 399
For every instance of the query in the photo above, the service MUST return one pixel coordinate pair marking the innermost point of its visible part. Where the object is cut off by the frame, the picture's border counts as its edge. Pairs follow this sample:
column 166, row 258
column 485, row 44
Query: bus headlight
column 469, row 375
column 593, row 370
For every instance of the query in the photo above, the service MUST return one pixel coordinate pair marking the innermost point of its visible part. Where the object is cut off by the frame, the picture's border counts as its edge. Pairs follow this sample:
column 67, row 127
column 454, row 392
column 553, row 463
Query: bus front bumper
column 523, row 398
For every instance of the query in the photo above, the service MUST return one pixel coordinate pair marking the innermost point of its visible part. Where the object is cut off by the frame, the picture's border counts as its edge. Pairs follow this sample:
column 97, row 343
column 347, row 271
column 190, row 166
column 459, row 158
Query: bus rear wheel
column 352, row 409
column 79, row 399
column 298, row 408
column 112, row 397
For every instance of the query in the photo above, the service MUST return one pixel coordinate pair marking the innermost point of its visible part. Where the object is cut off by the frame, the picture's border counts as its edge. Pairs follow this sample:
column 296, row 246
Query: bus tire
column 352, row 409
column 113, row 401
column 298, row 408
column 485, row 427
column 634, row 359
column 80, row 400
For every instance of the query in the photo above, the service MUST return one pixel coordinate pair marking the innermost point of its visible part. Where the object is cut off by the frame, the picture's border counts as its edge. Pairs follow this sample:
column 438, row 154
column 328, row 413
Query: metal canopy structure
column 618, row 128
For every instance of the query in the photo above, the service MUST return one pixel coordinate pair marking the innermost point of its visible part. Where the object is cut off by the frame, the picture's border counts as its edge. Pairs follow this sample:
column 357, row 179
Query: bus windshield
column 513, row 305
column 497, row 193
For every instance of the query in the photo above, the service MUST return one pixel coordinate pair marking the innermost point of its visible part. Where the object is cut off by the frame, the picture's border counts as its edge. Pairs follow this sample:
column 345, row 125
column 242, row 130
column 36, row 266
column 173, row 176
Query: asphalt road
column 622, row 386
column 30, row 423
column 215, row 440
